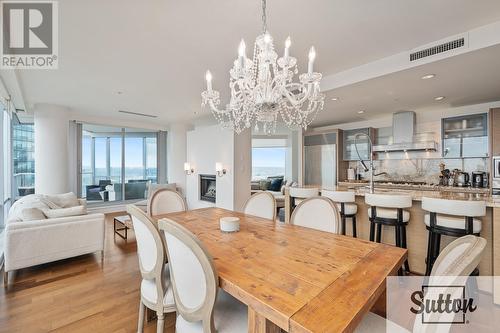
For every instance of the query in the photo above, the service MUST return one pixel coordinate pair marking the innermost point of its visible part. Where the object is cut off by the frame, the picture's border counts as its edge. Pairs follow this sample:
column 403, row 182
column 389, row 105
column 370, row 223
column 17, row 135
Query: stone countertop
column 418, row 194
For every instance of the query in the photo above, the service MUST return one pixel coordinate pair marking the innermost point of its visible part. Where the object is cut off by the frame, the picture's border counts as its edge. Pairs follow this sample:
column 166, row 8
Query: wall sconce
column 188, row 169
column 220, row 169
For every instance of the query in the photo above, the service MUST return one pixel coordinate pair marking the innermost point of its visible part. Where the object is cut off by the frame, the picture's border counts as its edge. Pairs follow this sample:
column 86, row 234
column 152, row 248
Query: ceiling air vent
column 454, row 44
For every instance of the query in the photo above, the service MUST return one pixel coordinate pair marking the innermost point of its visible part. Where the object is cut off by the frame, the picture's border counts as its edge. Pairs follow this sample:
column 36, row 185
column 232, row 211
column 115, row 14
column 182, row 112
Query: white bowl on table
column 229, row 224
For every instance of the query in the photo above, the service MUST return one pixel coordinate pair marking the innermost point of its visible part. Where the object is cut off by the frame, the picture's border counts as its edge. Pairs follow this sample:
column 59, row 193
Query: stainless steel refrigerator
column 320, row 159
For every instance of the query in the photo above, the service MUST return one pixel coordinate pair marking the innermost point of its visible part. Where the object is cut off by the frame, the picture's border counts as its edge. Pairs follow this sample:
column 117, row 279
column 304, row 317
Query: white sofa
column 33, row 242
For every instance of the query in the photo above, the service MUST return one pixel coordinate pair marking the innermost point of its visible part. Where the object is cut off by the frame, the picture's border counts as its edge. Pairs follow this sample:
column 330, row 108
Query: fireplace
column 207, row 188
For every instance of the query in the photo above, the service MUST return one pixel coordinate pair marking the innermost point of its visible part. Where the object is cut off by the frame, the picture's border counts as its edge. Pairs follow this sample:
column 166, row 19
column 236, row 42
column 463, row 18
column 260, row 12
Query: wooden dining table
column 293, row 278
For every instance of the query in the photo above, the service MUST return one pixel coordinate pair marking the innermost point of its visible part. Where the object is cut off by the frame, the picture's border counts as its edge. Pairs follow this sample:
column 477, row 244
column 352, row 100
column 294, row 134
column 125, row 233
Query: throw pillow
column 64, row 200
column 65, row 212
column 276, row 184
column 32, row 214
column 152, row 188
column 264, row 185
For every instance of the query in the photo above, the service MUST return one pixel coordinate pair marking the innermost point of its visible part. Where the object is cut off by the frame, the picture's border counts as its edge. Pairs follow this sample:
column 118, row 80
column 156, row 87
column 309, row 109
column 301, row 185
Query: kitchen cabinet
column 465, row 136
column 349, row 151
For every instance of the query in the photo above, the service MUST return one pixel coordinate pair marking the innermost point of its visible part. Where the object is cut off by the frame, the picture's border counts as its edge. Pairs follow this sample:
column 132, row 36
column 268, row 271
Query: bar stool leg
column 428, row 260
column 343, row 224
column 402, row 229
column 372, row 231
column 379, row 232
column 354, row 234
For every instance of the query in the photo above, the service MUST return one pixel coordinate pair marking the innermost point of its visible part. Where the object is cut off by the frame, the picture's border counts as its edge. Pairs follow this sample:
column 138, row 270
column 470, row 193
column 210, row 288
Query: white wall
column 51, row 149
column 176, row 155
column 207, row 145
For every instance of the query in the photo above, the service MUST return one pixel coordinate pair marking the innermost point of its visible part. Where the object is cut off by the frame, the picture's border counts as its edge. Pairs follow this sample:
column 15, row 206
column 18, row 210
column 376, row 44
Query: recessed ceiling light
column 428, row 76
column 361, row 111
column 335, row 98
column 439, row 98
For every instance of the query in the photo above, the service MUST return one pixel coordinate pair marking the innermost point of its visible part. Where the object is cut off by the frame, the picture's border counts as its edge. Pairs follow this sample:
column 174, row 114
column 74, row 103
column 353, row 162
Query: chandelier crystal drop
column 263, row 90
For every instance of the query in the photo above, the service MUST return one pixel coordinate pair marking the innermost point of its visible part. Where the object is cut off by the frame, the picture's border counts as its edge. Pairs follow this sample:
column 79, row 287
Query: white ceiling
column 156, row 52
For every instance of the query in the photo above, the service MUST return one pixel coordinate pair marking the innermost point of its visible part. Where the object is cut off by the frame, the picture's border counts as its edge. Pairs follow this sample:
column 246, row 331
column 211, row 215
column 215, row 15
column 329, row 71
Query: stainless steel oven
column 495, row 175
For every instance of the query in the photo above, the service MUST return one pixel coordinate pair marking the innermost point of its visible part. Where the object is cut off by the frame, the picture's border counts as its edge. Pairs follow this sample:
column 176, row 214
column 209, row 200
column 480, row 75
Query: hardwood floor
column 78, row 294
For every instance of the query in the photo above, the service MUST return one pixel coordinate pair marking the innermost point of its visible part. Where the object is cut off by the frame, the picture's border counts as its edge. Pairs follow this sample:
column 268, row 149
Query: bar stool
column 346, row 203
column 299, row 194
column 455, row 218
column 388, row 209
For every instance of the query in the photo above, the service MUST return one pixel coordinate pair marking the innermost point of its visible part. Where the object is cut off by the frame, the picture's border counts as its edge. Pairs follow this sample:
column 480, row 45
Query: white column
column 51, row 149
column 176, row 155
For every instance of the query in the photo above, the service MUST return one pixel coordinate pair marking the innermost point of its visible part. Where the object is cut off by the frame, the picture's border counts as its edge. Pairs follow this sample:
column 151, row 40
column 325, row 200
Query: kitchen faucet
column 366, row 169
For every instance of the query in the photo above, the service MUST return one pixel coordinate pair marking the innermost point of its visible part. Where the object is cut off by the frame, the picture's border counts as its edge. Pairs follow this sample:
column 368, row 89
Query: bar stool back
column 389, row 210
column 346, row 203
column 455, row 218
column 299, row 194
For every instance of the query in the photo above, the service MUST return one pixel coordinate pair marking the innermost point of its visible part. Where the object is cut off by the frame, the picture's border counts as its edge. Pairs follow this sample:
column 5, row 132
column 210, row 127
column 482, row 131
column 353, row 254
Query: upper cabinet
column 465, row 136
column 363, row 145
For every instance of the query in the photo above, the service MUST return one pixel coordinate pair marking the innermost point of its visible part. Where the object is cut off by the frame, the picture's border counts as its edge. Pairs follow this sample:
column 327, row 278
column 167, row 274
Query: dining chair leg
column 379, row 232
column 354, row 234
column 140, row 323
column 161, row 323
column 343, row 224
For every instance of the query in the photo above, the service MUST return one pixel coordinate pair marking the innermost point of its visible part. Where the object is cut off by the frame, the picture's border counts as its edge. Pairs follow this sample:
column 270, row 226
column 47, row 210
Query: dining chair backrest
column 388, row 200
column 460, row 257
column 317, row 213
column 164, row 201
column 303, row 193
column 261, row 204
column 192, row 274
column 454, row 207
column 452, row 268
column 150, row 250
column 339, row 196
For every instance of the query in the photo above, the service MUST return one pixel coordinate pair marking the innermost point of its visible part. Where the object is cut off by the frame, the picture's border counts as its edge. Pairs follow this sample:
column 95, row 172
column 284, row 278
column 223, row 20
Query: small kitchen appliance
column 478, row 178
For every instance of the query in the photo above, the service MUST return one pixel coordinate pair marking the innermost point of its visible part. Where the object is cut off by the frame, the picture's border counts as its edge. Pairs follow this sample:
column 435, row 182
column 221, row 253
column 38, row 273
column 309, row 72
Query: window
column 268, row 158
column 113, row 154
column 23, row 154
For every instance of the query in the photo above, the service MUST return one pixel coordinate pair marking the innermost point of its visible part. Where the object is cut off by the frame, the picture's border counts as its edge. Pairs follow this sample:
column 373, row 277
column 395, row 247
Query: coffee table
column 122, row 223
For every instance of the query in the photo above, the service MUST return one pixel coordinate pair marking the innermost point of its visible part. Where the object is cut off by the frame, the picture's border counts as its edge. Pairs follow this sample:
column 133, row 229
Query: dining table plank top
column 300, row 279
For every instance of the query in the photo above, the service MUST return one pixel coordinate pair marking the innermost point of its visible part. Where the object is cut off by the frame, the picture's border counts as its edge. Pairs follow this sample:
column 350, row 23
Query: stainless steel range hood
column 403, row 134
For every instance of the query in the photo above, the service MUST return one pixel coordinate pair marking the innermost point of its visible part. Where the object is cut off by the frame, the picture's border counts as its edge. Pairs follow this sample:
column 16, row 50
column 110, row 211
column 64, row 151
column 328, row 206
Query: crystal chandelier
column 262, row 89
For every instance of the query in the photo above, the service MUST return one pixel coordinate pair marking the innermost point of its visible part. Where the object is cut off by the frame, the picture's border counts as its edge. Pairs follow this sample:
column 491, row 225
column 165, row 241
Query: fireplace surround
column 208, row 188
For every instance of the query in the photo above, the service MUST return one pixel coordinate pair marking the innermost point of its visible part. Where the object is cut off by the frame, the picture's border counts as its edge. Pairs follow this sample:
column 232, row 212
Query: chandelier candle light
column 262, row 89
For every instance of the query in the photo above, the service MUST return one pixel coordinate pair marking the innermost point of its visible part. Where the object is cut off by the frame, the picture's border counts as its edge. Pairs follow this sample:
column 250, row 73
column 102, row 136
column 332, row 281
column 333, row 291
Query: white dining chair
column 261, row 204
column 455, row 263
column 318, row 213
column 201, row 306
column 164, row 201
column 156, row 289
column 299, row 194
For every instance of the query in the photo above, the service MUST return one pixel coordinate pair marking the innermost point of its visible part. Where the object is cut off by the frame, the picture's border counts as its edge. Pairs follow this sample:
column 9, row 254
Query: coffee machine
column 478, row 178
column 495, row 176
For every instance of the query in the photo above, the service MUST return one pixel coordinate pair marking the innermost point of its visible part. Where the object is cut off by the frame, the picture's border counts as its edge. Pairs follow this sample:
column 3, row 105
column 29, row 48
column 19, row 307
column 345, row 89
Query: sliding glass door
column 117, row 163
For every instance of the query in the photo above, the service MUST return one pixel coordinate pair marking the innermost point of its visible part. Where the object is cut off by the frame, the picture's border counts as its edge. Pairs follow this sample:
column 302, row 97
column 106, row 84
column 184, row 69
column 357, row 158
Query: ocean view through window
column 268, row 162
column 117, row 163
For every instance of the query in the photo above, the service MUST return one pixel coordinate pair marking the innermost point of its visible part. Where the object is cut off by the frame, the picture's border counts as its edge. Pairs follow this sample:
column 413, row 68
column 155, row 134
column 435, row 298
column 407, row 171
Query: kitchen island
column 417, row 234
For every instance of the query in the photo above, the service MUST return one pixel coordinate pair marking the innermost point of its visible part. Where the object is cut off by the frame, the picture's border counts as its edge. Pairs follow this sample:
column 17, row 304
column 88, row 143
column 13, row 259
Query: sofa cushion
column 64, row 200
column 64, row 212
column 276, row 184
column 32, row 214
column 29, row 201
column 264, row 185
